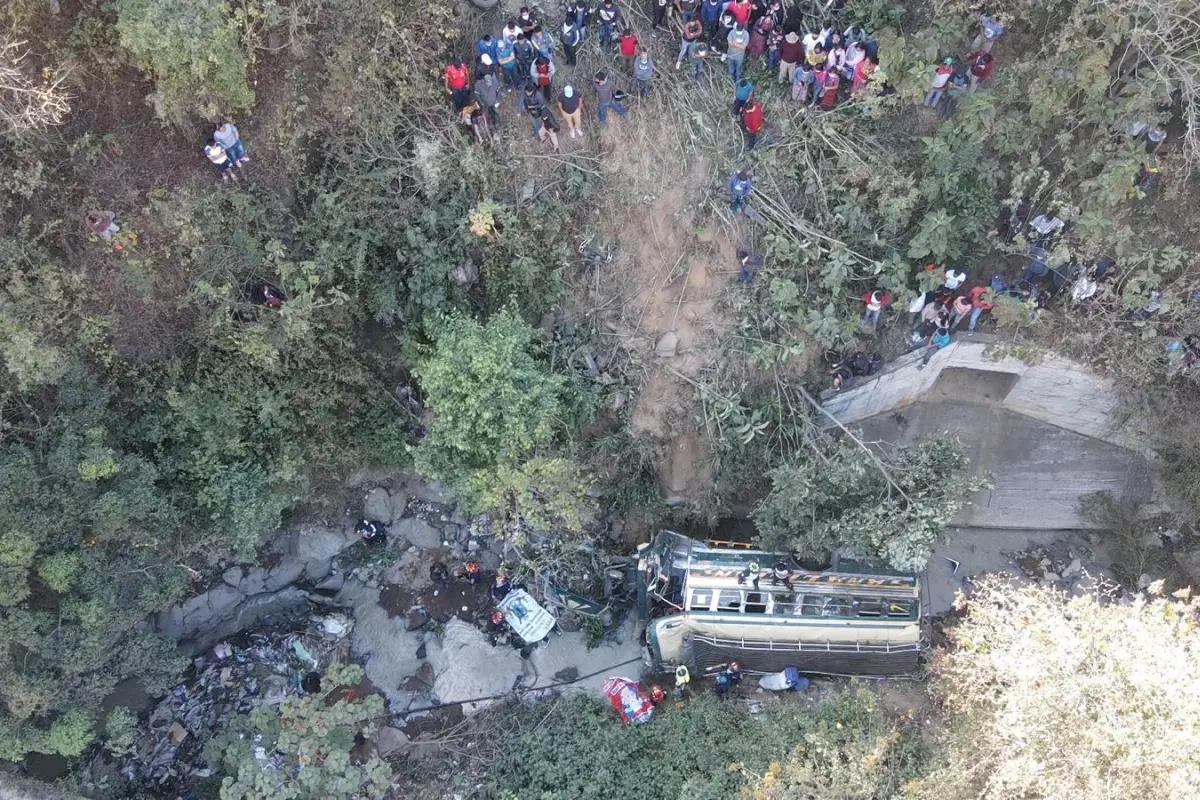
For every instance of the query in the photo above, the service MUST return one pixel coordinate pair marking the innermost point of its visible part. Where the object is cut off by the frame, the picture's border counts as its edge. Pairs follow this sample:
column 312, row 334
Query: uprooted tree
column 891, row 506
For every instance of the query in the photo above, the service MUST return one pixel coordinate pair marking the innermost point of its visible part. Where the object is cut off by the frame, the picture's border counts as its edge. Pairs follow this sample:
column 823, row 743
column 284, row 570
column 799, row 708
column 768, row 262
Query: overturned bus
column 707, row 605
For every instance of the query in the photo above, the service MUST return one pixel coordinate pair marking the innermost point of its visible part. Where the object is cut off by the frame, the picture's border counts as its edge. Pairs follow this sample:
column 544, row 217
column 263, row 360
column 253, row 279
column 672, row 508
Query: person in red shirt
column 457, row 79
column 629, row 44
column 981, row 301
column 740, row 9
column 981, row 62
column 752, row 121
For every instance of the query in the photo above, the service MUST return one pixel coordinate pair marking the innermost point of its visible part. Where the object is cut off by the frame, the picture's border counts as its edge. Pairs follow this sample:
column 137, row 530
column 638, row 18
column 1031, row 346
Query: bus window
column 701, row 600
column 869, row 606
column 827, row 605
column 729, row 600
column 756, row 603
column 899, row 608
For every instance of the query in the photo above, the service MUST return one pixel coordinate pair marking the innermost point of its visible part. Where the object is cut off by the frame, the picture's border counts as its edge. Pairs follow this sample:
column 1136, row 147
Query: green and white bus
column 707, row 605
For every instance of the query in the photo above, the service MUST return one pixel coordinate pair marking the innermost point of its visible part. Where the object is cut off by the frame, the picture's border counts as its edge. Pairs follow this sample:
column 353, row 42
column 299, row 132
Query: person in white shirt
column 954, row 279
column 1046, row 227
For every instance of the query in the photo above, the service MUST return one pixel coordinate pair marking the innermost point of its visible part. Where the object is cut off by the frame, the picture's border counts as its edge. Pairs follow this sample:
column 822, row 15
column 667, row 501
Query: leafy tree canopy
column 891, row 506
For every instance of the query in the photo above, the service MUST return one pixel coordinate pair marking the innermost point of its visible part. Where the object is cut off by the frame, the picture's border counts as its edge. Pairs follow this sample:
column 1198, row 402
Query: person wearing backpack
column 543, row 75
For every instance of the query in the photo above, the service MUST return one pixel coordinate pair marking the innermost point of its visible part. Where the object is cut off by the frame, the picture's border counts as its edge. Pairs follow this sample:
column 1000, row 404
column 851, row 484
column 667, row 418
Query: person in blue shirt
column 739, row 189
column 939, row 339
column 543, row 43
column 710, row 15
column 488, row 47
column 743, row 90
column 507, row 59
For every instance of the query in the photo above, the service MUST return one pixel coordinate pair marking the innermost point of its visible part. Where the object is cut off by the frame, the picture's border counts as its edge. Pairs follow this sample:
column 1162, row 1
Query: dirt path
column 671, row 275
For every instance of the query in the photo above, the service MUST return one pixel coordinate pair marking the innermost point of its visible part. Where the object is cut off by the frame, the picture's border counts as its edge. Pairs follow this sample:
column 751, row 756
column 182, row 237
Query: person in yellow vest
column 682, row 679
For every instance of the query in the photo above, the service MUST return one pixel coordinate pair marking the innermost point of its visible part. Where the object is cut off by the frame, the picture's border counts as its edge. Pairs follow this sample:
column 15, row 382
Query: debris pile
column 232, row 678
column 1065, row 568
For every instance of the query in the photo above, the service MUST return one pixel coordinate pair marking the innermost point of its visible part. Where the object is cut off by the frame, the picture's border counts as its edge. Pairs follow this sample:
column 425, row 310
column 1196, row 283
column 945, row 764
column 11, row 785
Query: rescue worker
column 496, row 627
column 682, row 679
column 744, row 575
column 733, row 672
column 472, row 572
column 501, row 587
column 723, row 684
column 728, row 678
column 371, row 530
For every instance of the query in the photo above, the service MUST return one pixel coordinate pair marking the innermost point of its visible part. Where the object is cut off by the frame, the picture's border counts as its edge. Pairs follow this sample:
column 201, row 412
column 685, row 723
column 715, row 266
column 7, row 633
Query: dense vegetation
column 156, row 418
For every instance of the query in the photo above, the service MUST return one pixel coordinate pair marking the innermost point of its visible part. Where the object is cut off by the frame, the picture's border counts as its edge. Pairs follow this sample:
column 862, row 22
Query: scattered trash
column 302, row 651
column 337, row 625
column 230, row 679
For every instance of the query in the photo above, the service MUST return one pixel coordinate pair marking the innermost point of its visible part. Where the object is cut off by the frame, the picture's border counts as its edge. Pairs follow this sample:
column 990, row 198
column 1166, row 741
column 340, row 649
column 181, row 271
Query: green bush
column 305, row 744
column 493, row 401
column 190, row 49
column 577, row 749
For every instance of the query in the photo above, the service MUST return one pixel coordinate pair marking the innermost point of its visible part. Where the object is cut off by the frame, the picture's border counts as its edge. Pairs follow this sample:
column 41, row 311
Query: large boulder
column 319, row 542
column 467, row 665
column 377, row 505
column 419, row 532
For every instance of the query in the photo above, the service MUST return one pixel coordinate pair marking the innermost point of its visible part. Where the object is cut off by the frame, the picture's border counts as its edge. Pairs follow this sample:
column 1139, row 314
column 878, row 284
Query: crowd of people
column 816, row 67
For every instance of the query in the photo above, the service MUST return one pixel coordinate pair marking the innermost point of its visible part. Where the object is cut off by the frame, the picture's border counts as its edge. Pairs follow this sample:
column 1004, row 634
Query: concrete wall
column 1047, row 433
column 1055, row 391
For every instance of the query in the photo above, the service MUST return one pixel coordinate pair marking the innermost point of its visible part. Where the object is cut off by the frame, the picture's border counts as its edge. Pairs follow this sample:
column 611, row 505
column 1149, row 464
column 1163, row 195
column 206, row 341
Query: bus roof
column 703, row 565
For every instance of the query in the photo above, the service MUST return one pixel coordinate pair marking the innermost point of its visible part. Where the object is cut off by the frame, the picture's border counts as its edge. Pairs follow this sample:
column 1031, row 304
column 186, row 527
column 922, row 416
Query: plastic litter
column 302, row 651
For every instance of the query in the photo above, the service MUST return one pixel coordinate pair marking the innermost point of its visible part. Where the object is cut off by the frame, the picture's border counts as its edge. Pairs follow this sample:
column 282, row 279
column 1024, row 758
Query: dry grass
column 1064, row 698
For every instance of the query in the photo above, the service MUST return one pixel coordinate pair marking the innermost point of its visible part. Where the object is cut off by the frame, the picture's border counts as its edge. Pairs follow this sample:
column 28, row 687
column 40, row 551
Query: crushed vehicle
column 705, row 606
